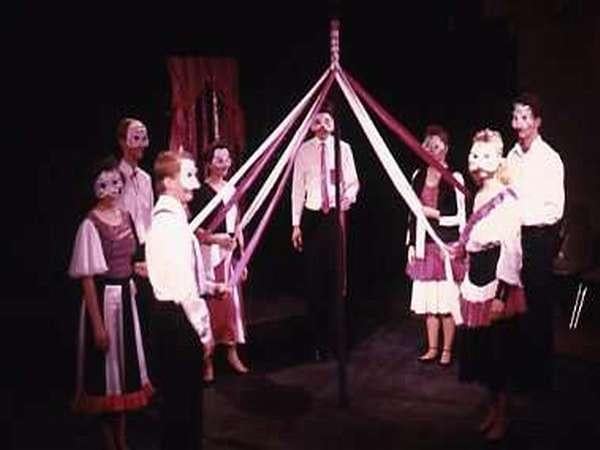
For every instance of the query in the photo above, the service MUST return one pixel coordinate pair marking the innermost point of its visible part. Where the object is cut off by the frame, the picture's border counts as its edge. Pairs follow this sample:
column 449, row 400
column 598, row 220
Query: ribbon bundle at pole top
column 352, row 90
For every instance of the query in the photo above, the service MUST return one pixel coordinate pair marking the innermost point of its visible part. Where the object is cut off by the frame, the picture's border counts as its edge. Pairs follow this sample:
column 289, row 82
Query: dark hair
column 440, row 131
column 210, row 153
column 532, row 100
column 99, row 165
column 122, row 128
column 104, row 164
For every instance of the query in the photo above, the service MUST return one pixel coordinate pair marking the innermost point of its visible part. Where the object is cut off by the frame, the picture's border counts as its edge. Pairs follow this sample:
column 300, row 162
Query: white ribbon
column 390, row 165
column 291, row 117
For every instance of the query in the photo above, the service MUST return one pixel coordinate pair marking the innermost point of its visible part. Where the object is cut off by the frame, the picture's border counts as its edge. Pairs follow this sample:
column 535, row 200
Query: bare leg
column 108, row 432
column 491, row 414
column 120, row 432
column 448, row 328
column 234, row 359
column 498, row 428
column 209, row 371
column 433, row 330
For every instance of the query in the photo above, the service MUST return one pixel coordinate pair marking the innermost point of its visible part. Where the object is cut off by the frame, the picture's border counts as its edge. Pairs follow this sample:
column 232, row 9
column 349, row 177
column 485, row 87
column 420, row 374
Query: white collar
column 534, row 144
column 127, row 169
column 170, row 203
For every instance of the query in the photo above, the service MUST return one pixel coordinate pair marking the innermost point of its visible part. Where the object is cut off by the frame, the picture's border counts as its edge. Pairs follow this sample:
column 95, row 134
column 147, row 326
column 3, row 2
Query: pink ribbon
column 303, row 130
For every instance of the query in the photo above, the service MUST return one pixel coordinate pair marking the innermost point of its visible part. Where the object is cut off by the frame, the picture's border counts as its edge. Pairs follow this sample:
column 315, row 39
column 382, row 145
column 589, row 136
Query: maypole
column 340, row 244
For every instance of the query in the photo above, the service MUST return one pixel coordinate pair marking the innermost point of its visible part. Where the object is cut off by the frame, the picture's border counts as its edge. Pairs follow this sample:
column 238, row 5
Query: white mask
column 137, row 136
column 221, row 159
column 323, row 121
column 486, row 153
column 436, row 146
column 188, row 175
column 108, row 184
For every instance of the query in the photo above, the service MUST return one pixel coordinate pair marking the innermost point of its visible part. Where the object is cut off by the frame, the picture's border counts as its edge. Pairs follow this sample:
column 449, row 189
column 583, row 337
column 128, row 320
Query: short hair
column 440, row 131
column 210, row 151
column 123, row 126
column 532, row 100
column 166, row 165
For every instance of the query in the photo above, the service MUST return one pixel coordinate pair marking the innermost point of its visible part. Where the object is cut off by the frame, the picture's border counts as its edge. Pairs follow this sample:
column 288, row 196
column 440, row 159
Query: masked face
column 137, row 136
column 188, row 175
column 525, row 124
column 323, row 125
column 436, row 146
column 221, row 161
column 108, row 184
column 484, row 160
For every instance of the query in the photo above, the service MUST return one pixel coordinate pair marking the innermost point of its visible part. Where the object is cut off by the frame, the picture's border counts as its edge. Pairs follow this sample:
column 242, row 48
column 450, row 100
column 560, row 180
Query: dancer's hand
column 101, row 340
column 225, row 241
column 431, row 213
column 497, row 310
column 346, row 203
column 222, row 289
column 297, row 238
column 141, row 269
column 456, row 250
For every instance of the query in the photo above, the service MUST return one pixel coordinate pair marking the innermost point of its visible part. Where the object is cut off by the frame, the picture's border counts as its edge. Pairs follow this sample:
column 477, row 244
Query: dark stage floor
column 287, row 402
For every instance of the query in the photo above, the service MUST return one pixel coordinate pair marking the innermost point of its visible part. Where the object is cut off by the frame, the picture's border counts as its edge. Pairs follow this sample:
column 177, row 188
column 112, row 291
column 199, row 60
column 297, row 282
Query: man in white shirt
column 137, row 199
column 181, row 331
column 537, row 174
column 314, row 222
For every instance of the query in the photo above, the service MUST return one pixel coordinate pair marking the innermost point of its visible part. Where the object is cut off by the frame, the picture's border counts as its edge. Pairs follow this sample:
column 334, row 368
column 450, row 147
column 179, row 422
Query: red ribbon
column 403, row 134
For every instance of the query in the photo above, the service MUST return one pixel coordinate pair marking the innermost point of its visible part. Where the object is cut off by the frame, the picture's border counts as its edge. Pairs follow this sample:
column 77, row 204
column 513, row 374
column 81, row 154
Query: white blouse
column 88, row 257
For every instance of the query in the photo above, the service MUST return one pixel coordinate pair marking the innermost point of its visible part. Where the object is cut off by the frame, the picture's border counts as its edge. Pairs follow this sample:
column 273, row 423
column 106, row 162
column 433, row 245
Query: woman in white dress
column 434, row 296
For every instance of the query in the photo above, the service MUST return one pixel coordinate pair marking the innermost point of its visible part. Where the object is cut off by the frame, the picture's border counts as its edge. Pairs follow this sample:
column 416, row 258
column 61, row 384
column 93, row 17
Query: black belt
column 540, row 229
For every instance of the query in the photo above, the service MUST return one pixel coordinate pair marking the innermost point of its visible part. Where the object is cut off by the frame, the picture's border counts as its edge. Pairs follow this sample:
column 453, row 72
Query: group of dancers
column 156, row 300
column 499, row 289
column 156, row 297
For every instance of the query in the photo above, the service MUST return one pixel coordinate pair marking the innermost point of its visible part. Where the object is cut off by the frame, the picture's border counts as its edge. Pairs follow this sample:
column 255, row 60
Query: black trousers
column 540, row 245
column 321, row 272
column 178, row 356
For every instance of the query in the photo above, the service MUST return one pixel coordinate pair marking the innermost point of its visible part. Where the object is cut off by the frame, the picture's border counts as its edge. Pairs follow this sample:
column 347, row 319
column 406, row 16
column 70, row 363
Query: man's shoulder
column 549, row 150
column 144, row 174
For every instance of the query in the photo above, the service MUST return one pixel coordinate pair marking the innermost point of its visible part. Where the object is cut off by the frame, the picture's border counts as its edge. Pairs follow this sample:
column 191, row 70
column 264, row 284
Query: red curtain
column 193, row 81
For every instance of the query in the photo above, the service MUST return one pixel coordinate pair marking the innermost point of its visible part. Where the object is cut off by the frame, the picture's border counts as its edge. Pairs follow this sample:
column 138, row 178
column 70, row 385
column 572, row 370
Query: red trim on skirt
column 97, row 404
column 477, row 314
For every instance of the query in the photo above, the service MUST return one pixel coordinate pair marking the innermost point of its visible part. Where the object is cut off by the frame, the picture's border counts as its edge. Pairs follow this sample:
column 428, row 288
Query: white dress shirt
column 538, row 179
column 175, row 266
column 137, row 197
column 306, row 184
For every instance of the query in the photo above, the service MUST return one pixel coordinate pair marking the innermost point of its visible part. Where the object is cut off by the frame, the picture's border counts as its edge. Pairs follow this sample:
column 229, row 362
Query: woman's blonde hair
column 494, row 138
